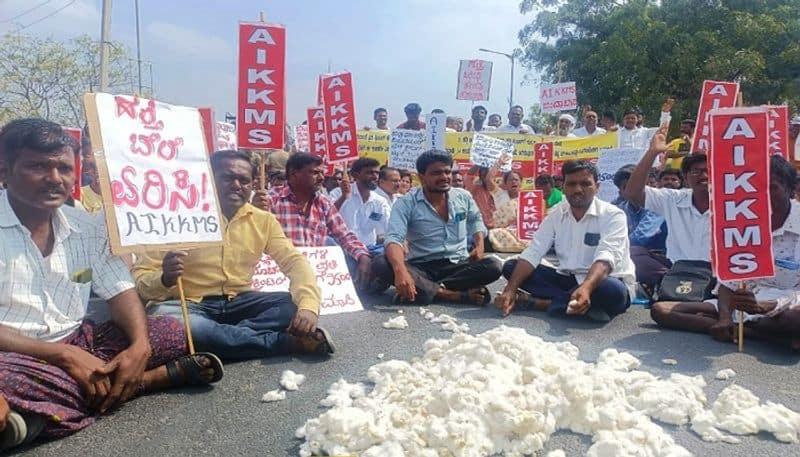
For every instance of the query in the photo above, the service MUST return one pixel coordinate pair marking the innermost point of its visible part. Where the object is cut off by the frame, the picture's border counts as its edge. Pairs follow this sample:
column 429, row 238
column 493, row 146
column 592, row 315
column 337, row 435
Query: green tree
column 47, row 78
column 624, row 53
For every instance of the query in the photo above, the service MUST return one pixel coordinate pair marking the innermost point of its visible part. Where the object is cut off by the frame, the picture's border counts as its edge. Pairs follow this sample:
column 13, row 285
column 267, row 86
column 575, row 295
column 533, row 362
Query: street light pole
column 511, row 58
column 105, row 31
column 138, row 47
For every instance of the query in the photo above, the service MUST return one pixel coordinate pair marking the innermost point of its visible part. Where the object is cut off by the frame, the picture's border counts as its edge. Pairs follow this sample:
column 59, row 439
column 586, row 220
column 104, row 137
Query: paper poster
column 261, row 113
column 340, row 117
column 317, row 140
column 530, row 213
column 474, row 80
column 486, row 151
column 156, row 180
column 609, row 162
column 301, row 137
column 558, row 97
column 716, row 94
column 779, row 130
column 739, row 176
column 435, row 131
column 338, row 292
column 404, row 148
column 226, row 136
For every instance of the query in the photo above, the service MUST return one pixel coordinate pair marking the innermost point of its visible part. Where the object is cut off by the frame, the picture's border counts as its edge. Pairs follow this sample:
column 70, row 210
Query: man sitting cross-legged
column 58, row 369
column 771, row 305
column 435, row 221
column 595, row 275
column 226, row 315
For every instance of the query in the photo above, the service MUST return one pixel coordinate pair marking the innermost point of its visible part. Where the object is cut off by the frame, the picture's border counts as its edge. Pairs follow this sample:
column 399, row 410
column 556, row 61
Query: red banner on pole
column 738, row 164
column 77, row 134
column 262, row 89
column 779, row 130
column 209, row 129
column 530, row 213
column 340, row 117
column 317, row 140
column 716, row 94
column 543, row 158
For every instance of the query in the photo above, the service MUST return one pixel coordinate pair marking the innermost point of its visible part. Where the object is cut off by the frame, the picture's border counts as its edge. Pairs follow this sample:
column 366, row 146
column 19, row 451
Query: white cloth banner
column 608, row 163
column 486, row 151
column 404, row 148
column 558, row 97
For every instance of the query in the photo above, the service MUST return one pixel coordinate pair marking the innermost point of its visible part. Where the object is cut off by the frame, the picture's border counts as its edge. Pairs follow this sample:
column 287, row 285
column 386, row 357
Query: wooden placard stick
column 262, row 172
column 185, row 312
column 741, row 322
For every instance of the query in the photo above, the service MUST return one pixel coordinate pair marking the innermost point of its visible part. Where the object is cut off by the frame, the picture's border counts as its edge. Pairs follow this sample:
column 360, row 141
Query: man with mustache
column 226, row 315
column 58, row 369
column 595, row 275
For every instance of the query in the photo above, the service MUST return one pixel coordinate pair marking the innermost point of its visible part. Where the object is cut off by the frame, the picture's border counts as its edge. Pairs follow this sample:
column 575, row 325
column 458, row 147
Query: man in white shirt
column 771, row 305
column 515, row 125
column 590, row 127
column 566, row 122
column 685, row 210
column 633, row 136
column 388, row 184
column 595, row 276
column 364, row 211
column 478, row 121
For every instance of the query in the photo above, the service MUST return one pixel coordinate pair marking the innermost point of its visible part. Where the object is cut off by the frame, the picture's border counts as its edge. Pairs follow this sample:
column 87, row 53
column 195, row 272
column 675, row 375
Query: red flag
column 738, row 164
column 262, row 90
column 530, row 213
column 209, row 129
column 77, row 134
column 317, row 140
column 716, row 94
column 340, row 117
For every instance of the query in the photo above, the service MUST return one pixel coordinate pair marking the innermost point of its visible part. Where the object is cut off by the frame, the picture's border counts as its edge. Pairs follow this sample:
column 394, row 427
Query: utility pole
column 510, row 57
column 105, row 31
column 138, row 46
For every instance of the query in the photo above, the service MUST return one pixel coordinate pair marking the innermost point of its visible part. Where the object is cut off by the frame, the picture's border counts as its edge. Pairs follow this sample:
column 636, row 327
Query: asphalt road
column 230, row 420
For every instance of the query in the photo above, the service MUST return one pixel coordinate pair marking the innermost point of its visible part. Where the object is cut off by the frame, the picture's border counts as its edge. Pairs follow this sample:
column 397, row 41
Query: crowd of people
column 424, row 235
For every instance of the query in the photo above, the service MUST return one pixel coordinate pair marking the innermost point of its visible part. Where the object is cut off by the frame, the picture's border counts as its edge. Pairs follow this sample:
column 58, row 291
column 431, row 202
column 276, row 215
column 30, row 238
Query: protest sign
column 739, row 176
column 374, row 144
column 526, row 170
column 156, row 181
column 474, row 80
column 435, row 130
column 226, row 136
column 77, row 135
column 558, row 97
column 209, row 129
column 716, row 94
column 333, row 278
column 404, row 148
column 301, row 137
column 261, row 113
column 779, row 130
column 609, row 162
column 486, row 151
column 317, row 140
column 543, row 159
column 340, row 117
column 530, row 213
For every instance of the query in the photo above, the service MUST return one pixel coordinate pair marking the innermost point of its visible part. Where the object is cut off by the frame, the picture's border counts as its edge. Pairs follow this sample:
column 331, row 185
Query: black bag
column 687, row 281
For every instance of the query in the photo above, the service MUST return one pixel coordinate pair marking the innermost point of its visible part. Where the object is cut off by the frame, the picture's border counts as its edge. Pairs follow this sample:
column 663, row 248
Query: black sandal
column 190, row 368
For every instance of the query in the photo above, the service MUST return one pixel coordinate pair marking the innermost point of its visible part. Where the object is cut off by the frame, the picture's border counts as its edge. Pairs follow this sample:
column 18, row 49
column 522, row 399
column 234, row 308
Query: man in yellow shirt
column 90, row 194
column 225, row 314
column 680, row 147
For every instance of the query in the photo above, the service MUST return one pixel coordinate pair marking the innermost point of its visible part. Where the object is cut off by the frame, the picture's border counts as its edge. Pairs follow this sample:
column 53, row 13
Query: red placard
column 316, row 131
column 716, row 94
column 530, row 213
column 543, row 158
column 262, row 89
column 340, row 117
column 778, row 130
column 209, row 129
column 738, row 165
column 76, row 134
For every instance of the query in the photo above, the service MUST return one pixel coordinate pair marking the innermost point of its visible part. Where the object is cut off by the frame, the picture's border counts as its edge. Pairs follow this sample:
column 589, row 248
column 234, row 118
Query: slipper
column 310, row 345
column 15, row 432
column 467, row 298
column 190, row 368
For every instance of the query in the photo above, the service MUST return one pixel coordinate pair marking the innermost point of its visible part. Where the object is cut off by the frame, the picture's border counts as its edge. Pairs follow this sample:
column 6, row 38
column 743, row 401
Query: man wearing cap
column 590, row 127
column 412, row 122
column 566, row 122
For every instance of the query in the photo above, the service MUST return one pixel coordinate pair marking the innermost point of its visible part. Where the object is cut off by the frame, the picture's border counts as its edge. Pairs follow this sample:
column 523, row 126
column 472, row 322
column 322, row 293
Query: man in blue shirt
column 435, row 220
column 648, row 234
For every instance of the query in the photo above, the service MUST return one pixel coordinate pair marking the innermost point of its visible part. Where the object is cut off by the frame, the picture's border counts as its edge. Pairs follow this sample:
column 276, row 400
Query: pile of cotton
column 505, row 392
column 398, row 323
column 291, row 380
column 448, row 322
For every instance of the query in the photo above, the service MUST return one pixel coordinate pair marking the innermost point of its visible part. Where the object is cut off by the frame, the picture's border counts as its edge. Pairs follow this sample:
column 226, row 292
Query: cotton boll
column 398, row 323
column 400, row 311
column 291, row 380
column 429, row 315
column 388, row 449
column 274, row 395
column 556, row 453
column 725, row 374
column 669, row 361
column 380, row 356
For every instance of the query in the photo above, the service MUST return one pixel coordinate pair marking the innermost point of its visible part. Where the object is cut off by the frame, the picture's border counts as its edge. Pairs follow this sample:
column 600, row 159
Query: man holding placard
column 59, row 369
column 225, row 314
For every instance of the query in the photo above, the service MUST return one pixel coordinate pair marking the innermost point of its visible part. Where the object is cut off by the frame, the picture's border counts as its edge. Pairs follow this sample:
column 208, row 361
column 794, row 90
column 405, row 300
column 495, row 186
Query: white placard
column 404, row 148
column 338, row 292
column 301, row 137
column 226, row 136
column 435, row 130
column 474, row 80
column 558, row 97
column 609, row 162
column 155, row 159
column 486, row 151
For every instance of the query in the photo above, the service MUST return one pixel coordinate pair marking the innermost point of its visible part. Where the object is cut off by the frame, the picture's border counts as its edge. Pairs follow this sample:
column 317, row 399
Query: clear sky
column 398, row 51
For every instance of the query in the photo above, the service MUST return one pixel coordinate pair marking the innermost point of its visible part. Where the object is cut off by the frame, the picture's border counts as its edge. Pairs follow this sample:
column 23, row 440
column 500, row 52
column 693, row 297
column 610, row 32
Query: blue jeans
column 611, row 295
column 252, row 325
